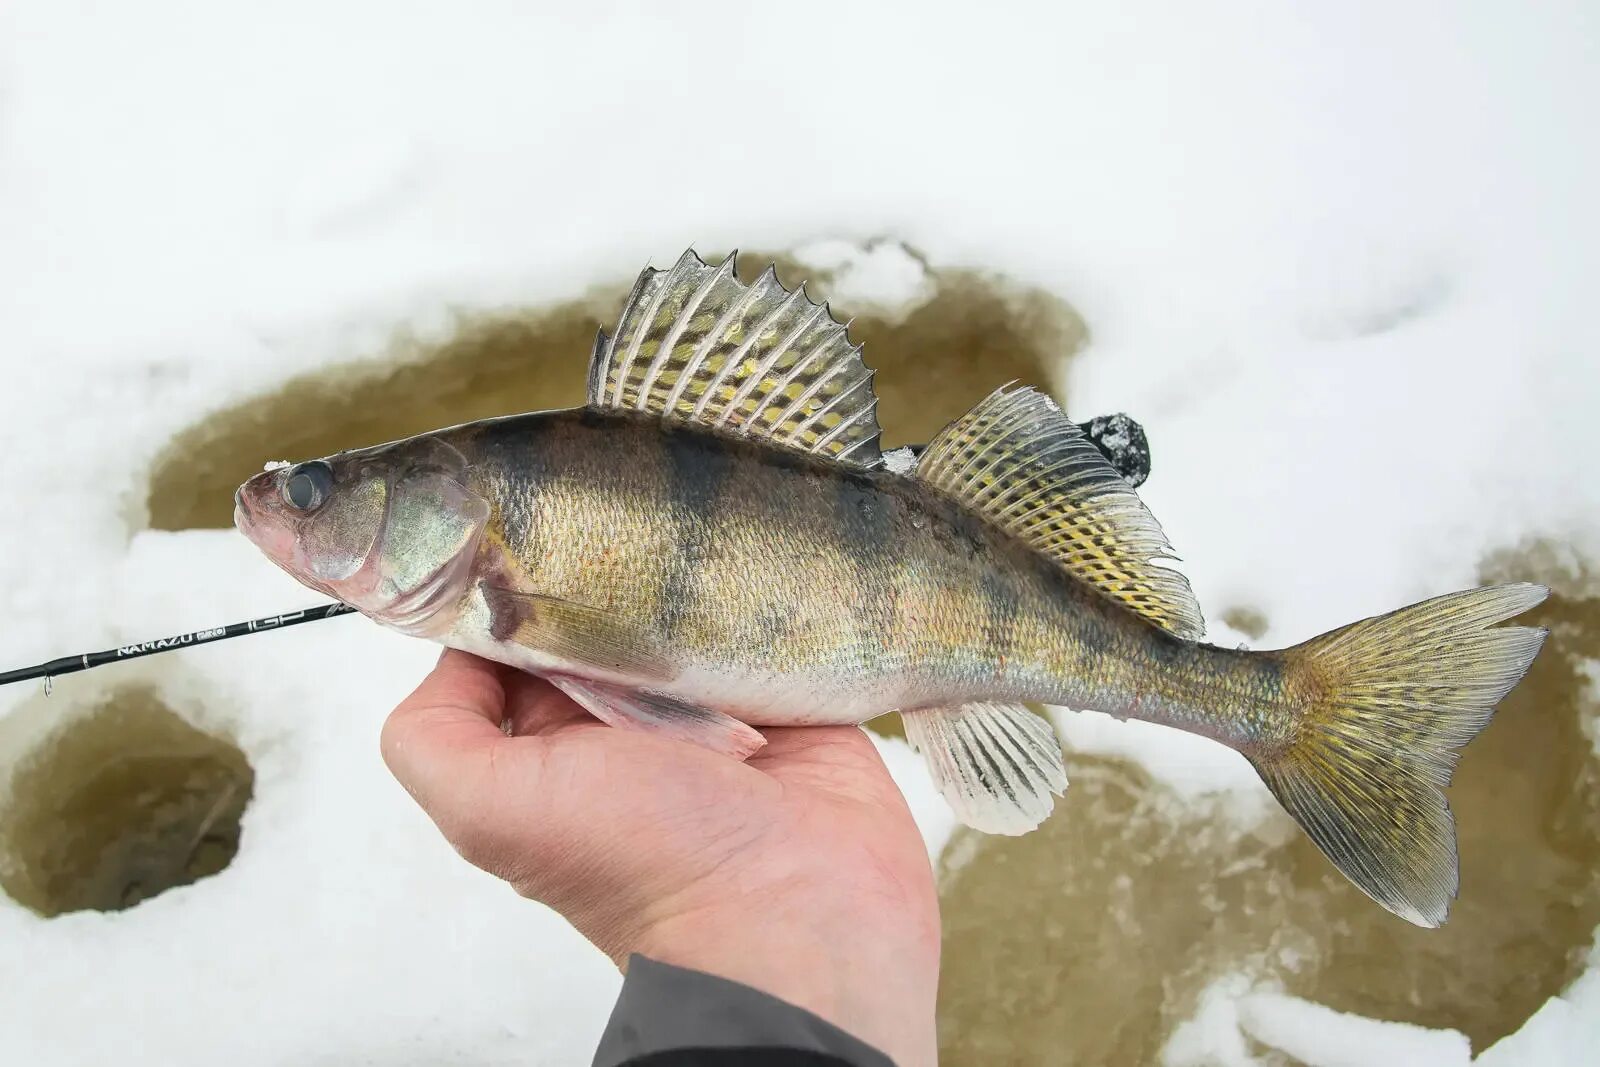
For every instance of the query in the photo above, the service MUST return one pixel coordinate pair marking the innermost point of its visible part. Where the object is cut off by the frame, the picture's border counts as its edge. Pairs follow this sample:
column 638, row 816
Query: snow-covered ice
column 1338, row 259
column 1231, row 1011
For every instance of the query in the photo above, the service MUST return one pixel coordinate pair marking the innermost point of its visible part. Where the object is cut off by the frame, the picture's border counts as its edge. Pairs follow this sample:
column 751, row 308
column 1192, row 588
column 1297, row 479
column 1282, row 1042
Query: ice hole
column 123, row 802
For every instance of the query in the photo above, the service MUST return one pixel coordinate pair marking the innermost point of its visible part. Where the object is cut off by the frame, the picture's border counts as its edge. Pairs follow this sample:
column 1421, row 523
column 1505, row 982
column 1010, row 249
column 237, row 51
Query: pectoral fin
column 997, row 765
column 641, row 709
column 577, row 633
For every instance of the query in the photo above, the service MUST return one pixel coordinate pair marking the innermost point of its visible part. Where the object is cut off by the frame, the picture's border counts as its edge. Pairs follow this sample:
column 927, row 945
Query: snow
column 1321, row 1037
column 880, row 276
column 1232, row 1015
column 1212, row 1036
column 933, row 816
column 1565, row 1030
column 1336, row 258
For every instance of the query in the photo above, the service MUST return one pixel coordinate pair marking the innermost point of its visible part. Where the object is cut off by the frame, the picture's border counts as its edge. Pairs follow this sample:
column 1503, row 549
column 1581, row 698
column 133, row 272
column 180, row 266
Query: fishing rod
column 1119, row 438
column 83, row 661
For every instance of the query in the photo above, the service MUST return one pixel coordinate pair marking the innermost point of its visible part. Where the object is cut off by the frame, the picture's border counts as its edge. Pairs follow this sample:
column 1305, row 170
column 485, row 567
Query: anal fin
column 659, row 713
column 998, row 765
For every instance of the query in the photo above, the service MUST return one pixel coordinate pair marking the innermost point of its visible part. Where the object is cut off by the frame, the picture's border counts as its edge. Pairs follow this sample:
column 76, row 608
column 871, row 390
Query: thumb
column 487, row 791
column 438, row 742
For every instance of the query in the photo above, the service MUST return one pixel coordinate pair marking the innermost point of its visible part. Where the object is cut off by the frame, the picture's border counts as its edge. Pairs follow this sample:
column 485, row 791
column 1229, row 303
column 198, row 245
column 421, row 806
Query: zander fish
column 716, row 542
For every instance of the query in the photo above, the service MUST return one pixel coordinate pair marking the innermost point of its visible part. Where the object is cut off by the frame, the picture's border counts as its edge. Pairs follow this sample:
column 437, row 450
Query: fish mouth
column 247, row 521
column 275, row 541
column 243, row 518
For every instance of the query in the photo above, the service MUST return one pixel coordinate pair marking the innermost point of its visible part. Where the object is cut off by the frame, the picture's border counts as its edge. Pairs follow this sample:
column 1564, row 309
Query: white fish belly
column 753, row 697
column 748, row 693
column 776, row 699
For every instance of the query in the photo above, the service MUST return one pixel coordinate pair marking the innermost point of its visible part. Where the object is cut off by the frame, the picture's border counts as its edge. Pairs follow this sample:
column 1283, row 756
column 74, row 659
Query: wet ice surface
column 1341, row 277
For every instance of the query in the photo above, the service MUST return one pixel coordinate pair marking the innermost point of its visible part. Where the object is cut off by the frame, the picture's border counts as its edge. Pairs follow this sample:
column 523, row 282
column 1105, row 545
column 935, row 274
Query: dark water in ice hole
column 121, row 803
column 1084, row 942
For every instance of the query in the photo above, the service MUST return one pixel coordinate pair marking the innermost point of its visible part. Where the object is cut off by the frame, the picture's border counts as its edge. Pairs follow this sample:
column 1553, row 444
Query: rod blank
column 86, row 660
column 1121, row 440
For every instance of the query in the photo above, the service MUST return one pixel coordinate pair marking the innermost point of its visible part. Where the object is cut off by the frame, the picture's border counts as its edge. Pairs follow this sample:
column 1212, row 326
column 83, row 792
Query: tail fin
column 1386, row 705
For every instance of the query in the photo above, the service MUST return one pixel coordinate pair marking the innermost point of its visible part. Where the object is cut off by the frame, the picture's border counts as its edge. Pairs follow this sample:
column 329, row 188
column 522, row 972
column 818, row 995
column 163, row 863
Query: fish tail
column 1382, row 709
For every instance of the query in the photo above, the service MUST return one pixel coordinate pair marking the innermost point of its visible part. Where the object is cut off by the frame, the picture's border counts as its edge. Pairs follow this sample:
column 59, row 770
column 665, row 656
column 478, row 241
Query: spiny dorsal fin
column 1017, row 459
column 696, row 345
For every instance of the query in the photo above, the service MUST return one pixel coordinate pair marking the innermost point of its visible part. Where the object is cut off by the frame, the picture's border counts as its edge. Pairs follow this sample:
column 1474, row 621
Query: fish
column 717, row 541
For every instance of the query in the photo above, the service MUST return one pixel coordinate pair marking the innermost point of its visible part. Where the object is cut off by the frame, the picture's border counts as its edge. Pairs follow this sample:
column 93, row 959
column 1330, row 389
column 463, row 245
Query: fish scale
column 715, row 541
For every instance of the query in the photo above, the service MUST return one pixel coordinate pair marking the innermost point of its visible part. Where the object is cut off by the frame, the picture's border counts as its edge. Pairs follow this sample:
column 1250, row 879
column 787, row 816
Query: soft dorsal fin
column 1017, row 459
column 694, row 344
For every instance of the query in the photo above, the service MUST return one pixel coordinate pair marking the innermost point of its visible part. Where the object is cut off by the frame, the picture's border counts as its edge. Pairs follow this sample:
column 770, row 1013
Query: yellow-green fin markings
column 1385, row 705
column 1019, row 461
column 694, row 344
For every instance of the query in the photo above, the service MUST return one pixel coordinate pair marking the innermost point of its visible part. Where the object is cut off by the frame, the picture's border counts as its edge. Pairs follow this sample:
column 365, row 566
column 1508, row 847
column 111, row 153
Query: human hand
column 799, row 872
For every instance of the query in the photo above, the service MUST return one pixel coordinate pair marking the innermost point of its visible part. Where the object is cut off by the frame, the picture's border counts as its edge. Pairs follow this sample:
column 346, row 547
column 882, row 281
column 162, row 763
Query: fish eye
column 307, row 485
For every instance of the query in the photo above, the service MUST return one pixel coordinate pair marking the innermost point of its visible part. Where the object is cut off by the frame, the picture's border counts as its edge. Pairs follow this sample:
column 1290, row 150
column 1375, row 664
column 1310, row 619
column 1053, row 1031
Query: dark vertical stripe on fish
column 524, row 449
column 867, row 519
column 697, row 467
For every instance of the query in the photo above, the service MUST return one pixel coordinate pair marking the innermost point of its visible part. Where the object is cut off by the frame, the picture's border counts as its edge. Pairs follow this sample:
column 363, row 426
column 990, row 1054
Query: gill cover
column 340, row 534
column 430, row 537
column 390, row 530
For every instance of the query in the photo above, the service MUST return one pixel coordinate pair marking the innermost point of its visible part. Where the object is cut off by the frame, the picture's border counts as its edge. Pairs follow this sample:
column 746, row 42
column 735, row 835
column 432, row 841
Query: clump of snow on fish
column 1353, row 314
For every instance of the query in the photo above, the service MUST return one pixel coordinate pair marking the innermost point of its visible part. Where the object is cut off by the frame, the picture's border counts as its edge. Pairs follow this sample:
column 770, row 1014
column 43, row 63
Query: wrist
column 873, row 973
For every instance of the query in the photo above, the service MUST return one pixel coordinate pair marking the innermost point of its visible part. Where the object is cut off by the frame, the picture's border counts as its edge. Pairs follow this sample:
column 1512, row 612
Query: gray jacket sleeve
column 667, row 1015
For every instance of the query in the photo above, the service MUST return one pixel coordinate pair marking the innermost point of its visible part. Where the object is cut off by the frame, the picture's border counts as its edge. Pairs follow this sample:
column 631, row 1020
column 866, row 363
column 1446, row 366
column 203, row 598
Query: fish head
column 392, row 531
